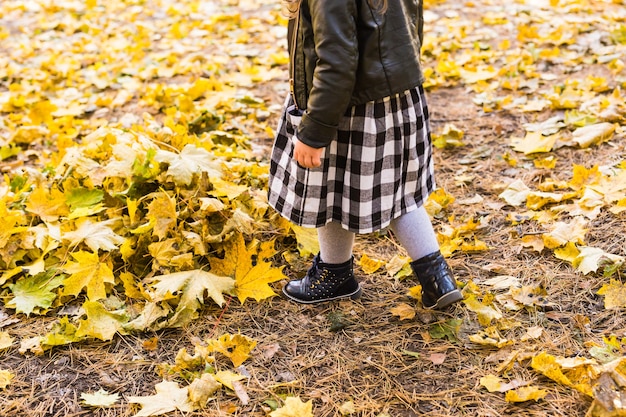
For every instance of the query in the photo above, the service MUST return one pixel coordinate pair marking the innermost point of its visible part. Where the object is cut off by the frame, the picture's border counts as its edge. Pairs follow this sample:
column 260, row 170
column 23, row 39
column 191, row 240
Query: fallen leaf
column 87, row 272
column 347, row 408
column 235, row 347
column 437, row 358
column 189, row 288
column 614, row 295
column 169, row 397
column 6, row 341
column 5, row 378
column 369, row 265
column 97, row 236
column 593, row 134
column 35, row 293
column 201, row 389
column 294, row 407
column 189, row 162
column 525, row 394
column 251, row 281
column 99, row 399
column 403, row 311
column 101, row 323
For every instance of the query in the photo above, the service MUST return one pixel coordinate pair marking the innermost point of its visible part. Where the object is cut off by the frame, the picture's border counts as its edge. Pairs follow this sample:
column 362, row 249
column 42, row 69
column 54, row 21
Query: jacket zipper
column 294, row 37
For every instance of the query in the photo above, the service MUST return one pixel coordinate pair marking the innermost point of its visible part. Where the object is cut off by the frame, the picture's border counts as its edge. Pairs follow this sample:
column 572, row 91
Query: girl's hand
column 307, row 156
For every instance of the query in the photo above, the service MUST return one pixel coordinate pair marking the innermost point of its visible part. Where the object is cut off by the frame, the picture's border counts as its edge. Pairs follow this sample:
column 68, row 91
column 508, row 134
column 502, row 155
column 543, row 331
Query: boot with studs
column 439, row 288
column 324, row 282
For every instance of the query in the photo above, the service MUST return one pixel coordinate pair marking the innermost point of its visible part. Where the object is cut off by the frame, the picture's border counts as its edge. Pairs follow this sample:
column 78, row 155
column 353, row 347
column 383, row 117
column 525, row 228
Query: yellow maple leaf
column 96, row 235
column 437, row 201
column 41, row 112
column 534, row 142
column 525, row 394
column 48, row 203
column 100, row 323
column 11, row 222
column 370, row 265
column 201, row 389
column 307, row 240
column 5, row 378
column 163, row 252
column 490, row 337
column 614, row 295
column 294, row 407
column 593, row 134
column 62, row 333
column 228, row 378
column 582, row 176
column 568, row 253
column 6, row 341
column 235, row 347
column 250, row 280
column 451, row 136
column 189, row 288
column 533, row 241
column 612, row 188
column 562, row 233
column 492, row 383
column 486, row 313
column 169, row 397
column 590, row 259
column 87, row 272
column 189, row 162
column 162, row 214
column 515, row 193
column 577, row 374
column 548, row 162
column 403, row 311
column 100, row 399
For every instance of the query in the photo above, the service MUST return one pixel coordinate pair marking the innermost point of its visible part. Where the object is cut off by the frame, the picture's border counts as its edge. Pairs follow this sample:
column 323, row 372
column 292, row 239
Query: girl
column 353, row 152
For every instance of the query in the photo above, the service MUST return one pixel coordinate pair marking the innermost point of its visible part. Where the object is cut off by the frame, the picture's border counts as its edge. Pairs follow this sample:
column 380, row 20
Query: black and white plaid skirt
column 378, row 168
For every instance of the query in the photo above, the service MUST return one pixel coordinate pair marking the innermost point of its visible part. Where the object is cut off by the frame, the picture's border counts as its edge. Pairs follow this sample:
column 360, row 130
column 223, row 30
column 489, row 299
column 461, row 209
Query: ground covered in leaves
column 139, row 260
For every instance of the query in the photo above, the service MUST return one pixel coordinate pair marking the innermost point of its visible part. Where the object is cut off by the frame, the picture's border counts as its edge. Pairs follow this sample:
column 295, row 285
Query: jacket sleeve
column 336, row 47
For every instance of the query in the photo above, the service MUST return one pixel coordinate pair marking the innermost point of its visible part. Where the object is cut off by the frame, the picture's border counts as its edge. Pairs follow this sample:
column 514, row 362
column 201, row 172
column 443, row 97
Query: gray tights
column 413, row 229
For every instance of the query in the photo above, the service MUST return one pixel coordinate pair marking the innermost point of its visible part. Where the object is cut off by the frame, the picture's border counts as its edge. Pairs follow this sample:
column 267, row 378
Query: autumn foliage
column 134, row 183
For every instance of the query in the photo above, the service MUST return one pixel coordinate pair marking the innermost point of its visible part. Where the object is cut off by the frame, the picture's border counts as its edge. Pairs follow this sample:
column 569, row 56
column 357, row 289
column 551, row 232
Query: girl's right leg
column 415, row 232
column 331, row 276
column 335, row 243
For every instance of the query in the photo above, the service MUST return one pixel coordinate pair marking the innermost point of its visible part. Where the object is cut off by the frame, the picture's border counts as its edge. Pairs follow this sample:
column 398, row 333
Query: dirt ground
column 381, row 364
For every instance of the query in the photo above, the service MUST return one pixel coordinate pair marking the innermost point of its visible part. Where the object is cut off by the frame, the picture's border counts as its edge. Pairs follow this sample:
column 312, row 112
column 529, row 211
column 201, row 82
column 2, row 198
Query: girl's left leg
column 331, row 276
column 415, row 232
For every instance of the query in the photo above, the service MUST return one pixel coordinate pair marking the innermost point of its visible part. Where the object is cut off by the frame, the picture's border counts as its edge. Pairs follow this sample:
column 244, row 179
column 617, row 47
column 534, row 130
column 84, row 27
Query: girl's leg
column 415, row 232
column 335, row 243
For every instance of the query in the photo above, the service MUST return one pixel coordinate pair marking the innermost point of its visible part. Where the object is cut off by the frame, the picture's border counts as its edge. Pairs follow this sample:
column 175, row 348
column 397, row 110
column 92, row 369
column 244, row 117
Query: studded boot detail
column 439, row 288
column 324, row 282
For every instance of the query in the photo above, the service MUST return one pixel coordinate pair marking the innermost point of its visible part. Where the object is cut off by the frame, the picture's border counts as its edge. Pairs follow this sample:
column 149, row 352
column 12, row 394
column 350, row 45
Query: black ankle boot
column 324, row 282
column 439, row 288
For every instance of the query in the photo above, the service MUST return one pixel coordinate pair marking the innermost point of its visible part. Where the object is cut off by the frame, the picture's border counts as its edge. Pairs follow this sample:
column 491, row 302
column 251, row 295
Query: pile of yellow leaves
column 130, row 187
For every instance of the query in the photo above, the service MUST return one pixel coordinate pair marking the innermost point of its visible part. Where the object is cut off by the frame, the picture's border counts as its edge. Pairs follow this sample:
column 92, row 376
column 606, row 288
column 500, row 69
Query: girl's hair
column 291, row 7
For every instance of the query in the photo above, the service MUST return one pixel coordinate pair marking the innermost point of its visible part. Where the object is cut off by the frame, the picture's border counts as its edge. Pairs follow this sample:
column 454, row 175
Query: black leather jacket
column 344, row 52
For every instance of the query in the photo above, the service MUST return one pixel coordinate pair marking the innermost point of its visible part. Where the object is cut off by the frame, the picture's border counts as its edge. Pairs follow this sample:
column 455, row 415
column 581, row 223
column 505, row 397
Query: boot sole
column 353, row 296
column 447, row 299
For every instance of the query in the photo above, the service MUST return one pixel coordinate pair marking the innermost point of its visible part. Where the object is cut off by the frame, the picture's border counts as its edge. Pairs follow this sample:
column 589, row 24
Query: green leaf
column 448, row 329
column 84, row 197
column 35, row 293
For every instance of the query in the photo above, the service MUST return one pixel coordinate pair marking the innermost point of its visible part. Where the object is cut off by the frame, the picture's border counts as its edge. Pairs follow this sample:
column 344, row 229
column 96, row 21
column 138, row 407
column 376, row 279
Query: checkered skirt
column 378, row 167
